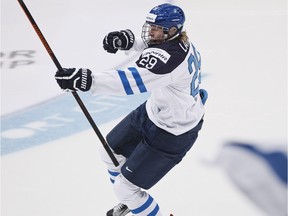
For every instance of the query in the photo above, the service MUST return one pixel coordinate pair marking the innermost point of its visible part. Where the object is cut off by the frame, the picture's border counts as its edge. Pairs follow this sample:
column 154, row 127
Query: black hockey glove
column 123, row 40
column 71, row 80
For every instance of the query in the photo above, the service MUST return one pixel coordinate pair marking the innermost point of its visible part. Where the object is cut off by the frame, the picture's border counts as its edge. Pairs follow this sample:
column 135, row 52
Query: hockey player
column 154, row 137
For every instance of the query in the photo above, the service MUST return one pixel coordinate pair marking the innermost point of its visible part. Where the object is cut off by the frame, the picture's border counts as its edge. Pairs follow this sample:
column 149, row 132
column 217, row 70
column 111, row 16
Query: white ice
column 244, row 56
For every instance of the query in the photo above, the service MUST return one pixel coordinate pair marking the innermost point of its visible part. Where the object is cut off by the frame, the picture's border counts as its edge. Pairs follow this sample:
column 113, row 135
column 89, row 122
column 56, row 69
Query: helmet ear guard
column 172, row 31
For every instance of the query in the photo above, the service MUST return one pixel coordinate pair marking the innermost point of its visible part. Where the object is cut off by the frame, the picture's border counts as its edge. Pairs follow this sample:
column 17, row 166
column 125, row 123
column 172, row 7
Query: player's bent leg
column 139, row 202
column 112, row 170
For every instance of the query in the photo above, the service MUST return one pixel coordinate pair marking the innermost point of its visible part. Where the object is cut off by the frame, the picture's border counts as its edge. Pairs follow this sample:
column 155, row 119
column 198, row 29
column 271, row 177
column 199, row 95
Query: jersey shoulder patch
column 158, row 53
column 163, row 58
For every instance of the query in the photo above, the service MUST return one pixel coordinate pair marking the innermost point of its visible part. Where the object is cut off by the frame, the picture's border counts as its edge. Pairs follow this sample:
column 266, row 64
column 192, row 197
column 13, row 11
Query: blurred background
column 50, row 162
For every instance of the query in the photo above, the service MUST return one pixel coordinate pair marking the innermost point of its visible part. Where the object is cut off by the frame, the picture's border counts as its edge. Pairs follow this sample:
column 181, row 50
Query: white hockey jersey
column 171, row 72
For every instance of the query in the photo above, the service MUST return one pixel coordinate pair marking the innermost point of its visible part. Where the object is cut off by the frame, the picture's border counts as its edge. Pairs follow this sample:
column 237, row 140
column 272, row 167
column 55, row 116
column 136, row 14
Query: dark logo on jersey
column 158, row 53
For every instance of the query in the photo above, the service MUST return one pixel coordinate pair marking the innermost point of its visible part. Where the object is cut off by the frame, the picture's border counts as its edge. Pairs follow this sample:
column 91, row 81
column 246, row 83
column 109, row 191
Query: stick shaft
column 76, row 96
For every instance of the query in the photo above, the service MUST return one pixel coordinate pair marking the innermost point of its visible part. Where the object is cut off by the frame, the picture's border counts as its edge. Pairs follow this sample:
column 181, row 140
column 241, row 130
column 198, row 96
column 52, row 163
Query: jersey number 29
column 193, row 67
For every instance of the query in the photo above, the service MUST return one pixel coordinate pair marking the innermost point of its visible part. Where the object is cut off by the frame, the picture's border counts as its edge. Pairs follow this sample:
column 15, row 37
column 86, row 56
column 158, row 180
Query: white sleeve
column 138, row 46
column 128, row 81
column 107, row 83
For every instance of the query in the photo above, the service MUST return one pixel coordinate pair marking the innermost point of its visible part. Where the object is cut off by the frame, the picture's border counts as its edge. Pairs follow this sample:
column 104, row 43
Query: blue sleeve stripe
column 144, row 206
column 138, row 79
column 125, row 82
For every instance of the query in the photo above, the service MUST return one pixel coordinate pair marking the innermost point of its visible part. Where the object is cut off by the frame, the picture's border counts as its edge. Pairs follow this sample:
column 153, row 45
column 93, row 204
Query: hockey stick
column 76, row 96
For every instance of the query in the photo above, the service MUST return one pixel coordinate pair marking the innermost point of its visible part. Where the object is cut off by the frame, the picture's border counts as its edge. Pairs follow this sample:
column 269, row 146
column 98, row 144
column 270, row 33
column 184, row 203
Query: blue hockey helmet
column 165, row 16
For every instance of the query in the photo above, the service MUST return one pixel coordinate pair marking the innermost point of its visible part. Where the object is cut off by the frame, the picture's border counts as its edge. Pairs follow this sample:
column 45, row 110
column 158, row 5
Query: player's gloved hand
column 71, row 80
column 203, row 95
column 123, row 40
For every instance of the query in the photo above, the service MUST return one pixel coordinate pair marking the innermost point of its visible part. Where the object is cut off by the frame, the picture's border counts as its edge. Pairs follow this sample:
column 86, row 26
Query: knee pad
column 107, row 160
column 112, row 170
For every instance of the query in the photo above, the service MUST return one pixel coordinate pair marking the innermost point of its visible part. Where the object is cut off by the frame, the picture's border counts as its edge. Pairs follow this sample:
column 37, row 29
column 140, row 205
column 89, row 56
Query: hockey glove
column 123, row 40
column 71, row 80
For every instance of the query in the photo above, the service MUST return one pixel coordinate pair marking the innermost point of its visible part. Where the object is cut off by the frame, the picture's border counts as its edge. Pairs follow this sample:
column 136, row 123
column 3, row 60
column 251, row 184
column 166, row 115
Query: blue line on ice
column 61, row 117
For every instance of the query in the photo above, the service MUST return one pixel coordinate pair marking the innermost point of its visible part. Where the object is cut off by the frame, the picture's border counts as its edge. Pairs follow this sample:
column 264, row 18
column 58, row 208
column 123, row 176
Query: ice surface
column 243, row 46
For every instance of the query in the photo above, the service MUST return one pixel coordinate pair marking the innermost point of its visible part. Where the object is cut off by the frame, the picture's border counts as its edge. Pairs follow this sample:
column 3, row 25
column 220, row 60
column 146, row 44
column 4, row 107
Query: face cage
column 148, row 40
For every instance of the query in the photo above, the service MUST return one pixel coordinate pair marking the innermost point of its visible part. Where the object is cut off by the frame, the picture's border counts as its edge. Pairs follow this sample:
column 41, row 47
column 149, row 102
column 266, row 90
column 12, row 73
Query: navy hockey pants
column 151, row 152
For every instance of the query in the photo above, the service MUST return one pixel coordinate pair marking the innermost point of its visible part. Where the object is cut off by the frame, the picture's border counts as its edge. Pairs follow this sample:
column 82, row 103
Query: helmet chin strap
column 171, row 38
